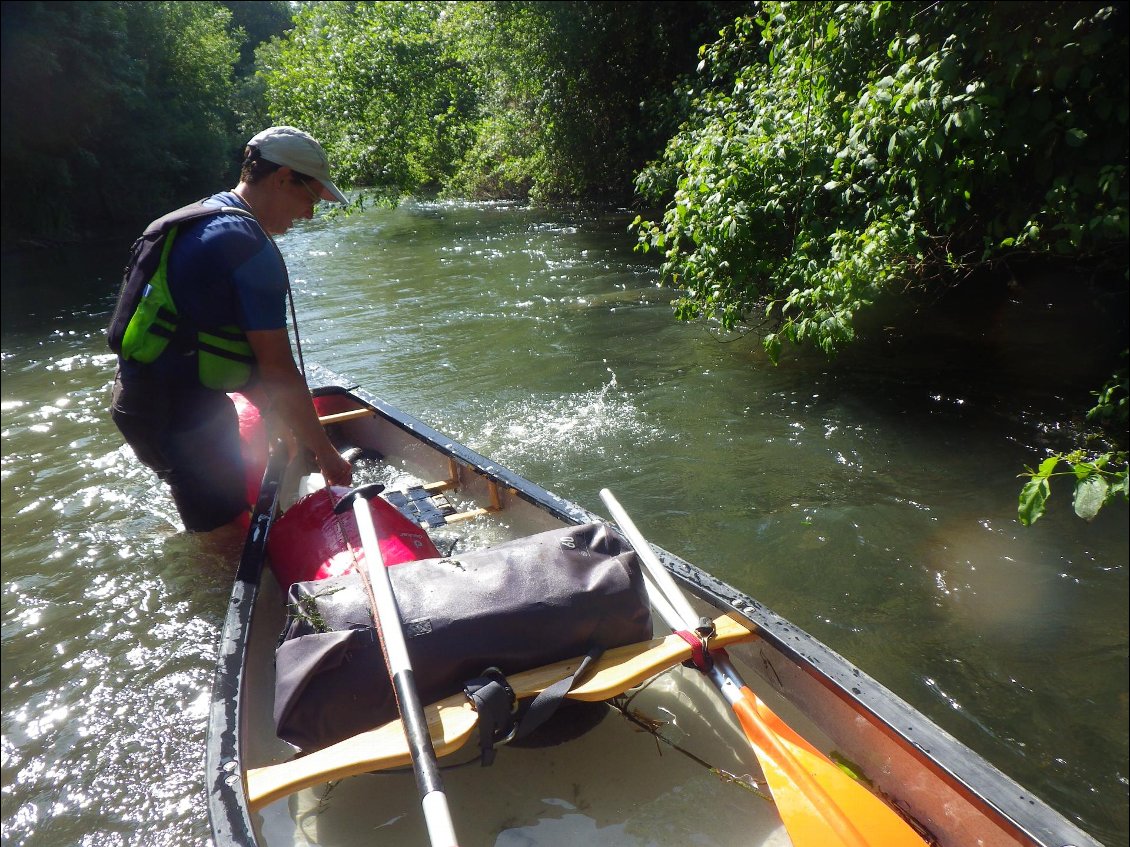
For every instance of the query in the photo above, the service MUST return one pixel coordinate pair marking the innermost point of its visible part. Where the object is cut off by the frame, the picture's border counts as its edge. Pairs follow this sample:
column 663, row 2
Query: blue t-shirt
column 222, row 270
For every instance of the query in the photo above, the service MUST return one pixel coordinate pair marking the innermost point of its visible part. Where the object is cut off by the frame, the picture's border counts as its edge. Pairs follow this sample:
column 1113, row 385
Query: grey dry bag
column 517, row 606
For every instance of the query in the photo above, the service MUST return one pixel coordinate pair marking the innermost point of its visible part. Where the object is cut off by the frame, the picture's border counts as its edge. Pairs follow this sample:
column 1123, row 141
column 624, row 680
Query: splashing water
column 557, row 429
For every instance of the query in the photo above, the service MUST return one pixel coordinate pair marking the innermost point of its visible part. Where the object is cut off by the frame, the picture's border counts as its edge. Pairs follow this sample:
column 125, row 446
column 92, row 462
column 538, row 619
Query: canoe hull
column 947, row 790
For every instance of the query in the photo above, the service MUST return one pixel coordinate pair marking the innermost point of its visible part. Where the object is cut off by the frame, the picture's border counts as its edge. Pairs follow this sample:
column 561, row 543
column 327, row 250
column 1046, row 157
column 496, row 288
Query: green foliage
column 575, row 97
column 555, row 101
column 837, row 151
column 501, row 46
column 113, row 111
column 1100, row 478
column 373, row 83
column 254, row 22
column 547, row 100
column 1111, row 409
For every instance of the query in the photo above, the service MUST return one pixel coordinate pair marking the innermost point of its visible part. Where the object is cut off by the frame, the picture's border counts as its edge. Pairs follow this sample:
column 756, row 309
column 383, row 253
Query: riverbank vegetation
column 836, row 152
column 553, row 102
column 112, row 110
column 801, row 160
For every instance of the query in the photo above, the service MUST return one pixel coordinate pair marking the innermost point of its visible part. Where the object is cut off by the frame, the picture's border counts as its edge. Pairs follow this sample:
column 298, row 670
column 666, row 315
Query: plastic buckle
column 509, row 737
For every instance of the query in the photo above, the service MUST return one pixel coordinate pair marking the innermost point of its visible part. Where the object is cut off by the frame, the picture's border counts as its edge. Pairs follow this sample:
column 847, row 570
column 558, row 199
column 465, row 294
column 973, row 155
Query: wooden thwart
column 431, row 488
column 342, row 417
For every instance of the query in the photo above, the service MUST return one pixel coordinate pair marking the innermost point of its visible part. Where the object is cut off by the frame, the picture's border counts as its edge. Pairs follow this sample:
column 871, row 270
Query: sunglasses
column 313, row 196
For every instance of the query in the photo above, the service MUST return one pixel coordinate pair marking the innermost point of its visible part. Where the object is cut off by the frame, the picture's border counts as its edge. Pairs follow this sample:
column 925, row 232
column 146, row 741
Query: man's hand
column 290, row 399
column 336, row 470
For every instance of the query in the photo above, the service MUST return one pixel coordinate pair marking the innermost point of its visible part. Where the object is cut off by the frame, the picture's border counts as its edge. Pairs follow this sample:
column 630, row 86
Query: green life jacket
column 146, row 322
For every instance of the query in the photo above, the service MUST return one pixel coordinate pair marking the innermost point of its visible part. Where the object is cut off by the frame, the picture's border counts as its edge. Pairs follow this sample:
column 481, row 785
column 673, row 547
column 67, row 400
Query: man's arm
column 290, row 399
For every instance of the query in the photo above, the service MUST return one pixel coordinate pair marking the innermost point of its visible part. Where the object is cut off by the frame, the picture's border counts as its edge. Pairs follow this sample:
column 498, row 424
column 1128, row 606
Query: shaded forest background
column 791, row 163
column 114, row 109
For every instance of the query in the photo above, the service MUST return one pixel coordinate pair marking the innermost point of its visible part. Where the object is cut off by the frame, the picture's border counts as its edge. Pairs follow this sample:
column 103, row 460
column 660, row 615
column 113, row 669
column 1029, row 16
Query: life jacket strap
column 223, row 353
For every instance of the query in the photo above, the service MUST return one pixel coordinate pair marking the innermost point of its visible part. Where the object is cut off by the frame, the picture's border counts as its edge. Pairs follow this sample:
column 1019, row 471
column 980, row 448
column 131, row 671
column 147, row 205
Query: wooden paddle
column 451, row 722
column 819, row 804
column 386, row 616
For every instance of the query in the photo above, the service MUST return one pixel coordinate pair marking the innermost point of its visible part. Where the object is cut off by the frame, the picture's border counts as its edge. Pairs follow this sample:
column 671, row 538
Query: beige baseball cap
column 295, row 149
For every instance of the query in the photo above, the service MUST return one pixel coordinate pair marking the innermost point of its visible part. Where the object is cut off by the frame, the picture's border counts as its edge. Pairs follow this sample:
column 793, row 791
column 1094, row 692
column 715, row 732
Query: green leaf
column 1047, row 466
column 1033, row 500
column 772, row 345
column 1075, row 137
column 1090, row 494
column 1121, row 485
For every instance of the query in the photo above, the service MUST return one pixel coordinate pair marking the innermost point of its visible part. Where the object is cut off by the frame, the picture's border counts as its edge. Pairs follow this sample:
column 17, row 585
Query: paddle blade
column 450, row 724
column 819, row 804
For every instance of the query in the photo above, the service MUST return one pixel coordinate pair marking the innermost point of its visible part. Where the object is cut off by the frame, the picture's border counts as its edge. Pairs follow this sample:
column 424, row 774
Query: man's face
column 291, row 199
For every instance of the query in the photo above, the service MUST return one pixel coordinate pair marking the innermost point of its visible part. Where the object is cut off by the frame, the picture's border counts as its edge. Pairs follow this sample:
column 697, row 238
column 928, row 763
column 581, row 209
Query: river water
column 871, row 500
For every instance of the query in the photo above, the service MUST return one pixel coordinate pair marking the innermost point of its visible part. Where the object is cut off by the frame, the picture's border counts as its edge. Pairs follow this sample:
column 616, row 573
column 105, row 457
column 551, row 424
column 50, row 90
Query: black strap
column 205, row 347
column 493, row 699
column 546, row 703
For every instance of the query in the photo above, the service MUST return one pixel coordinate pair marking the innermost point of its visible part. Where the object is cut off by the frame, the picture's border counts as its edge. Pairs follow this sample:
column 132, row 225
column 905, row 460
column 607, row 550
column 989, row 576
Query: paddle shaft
column 437, row 816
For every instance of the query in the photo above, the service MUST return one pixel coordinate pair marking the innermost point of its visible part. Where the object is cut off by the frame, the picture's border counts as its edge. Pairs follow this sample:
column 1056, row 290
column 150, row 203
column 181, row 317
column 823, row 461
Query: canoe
column 654, row 754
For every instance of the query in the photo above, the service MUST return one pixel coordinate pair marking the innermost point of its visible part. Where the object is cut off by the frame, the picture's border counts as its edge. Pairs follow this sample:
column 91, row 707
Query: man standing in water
column 209, row 317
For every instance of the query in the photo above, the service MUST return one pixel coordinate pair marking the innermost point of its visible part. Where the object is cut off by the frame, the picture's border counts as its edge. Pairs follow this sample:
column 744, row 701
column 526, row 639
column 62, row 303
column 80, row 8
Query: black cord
column 294, row 323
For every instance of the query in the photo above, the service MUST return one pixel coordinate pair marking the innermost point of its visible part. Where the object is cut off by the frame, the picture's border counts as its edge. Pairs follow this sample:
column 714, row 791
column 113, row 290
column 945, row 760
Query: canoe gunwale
column 1018, row 816
column 228, row 809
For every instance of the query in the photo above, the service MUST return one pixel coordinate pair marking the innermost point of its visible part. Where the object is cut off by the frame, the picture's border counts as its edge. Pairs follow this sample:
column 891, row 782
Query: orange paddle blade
column 820, row 805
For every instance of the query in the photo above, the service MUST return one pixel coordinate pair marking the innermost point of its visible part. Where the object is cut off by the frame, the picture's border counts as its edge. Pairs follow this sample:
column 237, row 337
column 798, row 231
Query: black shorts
column 190, row 437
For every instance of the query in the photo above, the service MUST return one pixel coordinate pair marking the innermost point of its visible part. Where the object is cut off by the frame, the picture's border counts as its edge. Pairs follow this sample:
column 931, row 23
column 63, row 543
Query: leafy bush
column 839, row 150
column 374, row 84
column 115, row 112
column 554, row 101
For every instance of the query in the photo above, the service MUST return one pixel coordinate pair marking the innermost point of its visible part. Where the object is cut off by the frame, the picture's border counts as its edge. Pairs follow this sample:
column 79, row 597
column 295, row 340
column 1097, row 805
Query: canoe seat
column 420, row 505
column 428, row 506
